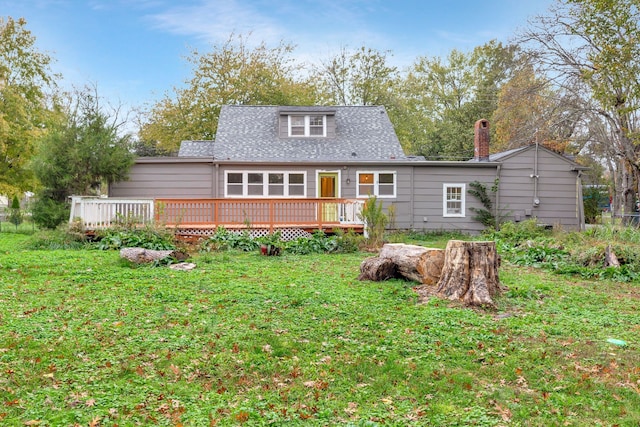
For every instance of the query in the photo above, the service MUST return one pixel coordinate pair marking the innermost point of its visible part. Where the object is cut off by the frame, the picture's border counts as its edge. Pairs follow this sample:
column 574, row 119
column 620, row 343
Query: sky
column 135, row 51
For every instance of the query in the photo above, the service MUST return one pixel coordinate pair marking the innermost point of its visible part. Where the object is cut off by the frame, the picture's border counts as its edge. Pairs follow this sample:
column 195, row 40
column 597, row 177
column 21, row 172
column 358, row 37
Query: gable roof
column 500, row 157
column 251, row 134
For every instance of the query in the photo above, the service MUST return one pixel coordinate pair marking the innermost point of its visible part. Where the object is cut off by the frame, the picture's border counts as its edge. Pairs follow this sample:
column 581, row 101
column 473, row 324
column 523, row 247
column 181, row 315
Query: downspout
column 580, row 202
column 413, row 198
column 536, row 200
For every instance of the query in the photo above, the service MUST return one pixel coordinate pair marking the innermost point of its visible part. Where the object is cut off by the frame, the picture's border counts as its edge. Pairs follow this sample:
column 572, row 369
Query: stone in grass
column 183, row 266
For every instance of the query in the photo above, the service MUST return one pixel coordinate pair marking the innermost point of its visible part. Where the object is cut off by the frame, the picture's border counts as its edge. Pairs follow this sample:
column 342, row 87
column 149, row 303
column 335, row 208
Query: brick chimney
column 481, row 141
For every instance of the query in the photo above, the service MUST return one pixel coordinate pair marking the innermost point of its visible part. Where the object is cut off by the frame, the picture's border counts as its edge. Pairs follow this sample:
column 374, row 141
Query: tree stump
column 377, row 269
column 470, row 272
column 610, row 258
column 417, row 263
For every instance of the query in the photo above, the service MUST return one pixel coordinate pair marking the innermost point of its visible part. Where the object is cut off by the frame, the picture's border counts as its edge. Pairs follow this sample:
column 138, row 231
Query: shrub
column 349, row 241
column 224, row 239
column 147, row 237
column 48, row 213
column 375, row 221
column 318, row 243
column 59, row 238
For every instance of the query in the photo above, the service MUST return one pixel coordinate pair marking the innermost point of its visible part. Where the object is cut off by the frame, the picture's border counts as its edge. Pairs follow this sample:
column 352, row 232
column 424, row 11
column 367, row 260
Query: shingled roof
column 250, row 133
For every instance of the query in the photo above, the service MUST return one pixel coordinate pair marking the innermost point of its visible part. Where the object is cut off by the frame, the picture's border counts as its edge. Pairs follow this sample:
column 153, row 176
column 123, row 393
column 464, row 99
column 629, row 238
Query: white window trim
column 376, row 184
column 463, row 194
column 307, row 126
column 265, row 184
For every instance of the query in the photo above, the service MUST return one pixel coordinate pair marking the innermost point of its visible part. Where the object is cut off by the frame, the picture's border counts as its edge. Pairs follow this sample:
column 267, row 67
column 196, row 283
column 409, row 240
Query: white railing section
column 98, row 213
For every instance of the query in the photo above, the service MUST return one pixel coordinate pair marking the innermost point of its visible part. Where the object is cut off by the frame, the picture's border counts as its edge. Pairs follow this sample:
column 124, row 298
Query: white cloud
column 215, row 21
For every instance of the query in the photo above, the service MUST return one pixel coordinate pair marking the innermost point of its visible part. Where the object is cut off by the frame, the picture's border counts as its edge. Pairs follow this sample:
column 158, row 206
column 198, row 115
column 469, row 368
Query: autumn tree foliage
column 446, row 96
column 357, row 77
column 25, row 77
column 231, row 73
column 589, row 49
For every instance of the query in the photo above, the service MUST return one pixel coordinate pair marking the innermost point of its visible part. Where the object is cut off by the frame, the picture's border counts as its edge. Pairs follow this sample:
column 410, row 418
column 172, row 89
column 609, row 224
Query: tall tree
column 24, row 77
column 530, row 111
column 452, row 94
column 85, row 151
column 231, row 73
column 591, row 47
column 357, row 77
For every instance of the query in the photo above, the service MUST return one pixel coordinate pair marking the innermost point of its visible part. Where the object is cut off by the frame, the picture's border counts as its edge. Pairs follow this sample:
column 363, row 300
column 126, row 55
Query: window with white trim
column 313, row 125
column 379, row 184
column 453, row 196
column 265, row 184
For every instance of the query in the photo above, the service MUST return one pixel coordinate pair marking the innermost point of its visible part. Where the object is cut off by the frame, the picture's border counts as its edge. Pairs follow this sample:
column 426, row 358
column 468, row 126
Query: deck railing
column 99, row 213
column 258, row 213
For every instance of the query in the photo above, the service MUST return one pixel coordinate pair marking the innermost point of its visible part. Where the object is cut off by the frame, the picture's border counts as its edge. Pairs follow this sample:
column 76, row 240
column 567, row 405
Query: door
column 328, row 189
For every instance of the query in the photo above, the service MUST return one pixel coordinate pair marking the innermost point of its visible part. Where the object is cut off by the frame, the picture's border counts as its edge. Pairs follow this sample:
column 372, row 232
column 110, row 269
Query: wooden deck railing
column 258, row 213
column 98, row 213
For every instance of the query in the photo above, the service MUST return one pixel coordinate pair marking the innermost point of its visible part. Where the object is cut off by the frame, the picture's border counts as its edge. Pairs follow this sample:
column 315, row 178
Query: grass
column 244, row 339
column 26, row 227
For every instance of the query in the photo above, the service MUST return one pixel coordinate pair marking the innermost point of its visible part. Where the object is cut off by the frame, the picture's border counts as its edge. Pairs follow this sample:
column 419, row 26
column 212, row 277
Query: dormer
column 307, row 122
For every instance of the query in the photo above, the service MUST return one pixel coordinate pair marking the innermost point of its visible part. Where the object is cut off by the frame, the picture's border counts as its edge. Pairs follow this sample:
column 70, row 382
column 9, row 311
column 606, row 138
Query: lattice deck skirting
column 286, row 233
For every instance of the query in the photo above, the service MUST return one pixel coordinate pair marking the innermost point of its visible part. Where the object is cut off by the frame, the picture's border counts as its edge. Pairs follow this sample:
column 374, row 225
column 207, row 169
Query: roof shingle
column 250, row 133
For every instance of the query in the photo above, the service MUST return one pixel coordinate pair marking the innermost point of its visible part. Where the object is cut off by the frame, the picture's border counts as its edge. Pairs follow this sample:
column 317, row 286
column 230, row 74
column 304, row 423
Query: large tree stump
column 377, row 269
column 416, row 263
column 470, row 272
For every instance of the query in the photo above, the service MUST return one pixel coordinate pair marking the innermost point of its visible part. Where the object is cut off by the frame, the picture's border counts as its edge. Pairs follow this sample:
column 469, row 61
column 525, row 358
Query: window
column 379, row 184
column 453, row 200
column 255, row 186
column 309, row 125
column 265, row 184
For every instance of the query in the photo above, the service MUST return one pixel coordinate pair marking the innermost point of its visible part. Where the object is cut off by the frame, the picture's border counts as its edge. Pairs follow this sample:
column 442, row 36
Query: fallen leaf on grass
column 351, row 408
column 504, row 412
column 175, row 370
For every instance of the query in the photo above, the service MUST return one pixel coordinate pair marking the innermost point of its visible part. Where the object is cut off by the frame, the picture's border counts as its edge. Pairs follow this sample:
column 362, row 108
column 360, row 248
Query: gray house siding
column 149, row 179
column 557, row 188
column 428, row 196
column 418, row 204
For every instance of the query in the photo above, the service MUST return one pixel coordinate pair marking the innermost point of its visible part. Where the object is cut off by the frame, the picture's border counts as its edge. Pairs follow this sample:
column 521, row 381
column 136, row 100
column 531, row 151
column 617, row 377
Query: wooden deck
column 200, row 215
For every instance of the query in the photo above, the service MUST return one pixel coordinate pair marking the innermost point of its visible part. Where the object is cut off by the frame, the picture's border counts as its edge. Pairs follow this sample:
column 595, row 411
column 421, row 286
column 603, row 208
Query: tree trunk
column 417, row 263
column 470, row 272
column 610, row 258
column 377, row 269
column 141, row 255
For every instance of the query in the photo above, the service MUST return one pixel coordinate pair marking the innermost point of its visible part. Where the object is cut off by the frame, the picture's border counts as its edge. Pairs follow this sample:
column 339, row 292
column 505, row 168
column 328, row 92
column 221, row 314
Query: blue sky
column 134, row 50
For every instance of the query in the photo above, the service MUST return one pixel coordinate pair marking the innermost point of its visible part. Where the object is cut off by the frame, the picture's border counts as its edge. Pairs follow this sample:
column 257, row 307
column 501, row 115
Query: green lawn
column 244, row 339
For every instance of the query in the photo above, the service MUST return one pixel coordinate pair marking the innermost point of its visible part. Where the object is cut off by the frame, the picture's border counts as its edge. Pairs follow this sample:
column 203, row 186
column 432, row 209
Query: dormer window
column 311, row 125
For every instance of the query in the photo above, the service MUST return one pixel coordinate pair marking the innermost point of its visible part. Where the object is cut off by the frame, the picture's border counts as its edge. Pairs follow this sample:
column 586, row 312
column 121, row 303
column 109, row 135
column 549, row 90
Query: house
column 280, row 159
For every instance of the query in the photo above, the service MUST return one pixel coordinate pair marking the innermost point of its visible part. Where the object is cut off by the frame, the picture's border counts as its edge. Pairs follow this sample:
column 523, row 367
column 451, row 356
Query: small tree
column 15, row 214
column 48, row 212
column 375, row 221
